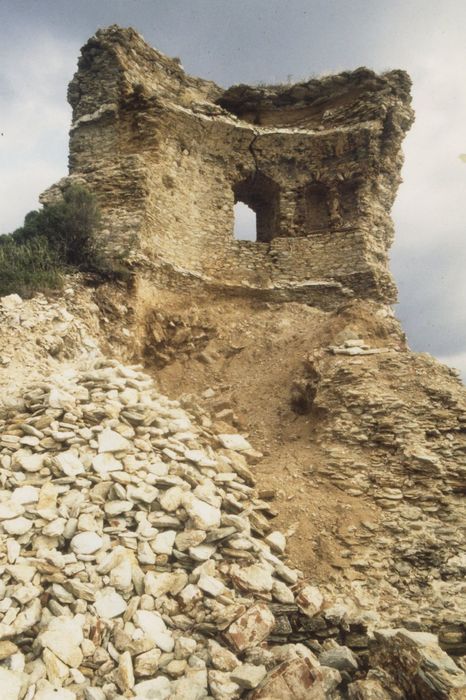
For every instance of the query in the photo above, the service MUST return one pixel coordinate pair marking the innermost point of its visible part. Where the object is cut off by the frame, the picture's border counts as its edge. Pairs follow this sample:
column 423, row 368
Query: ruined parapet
column 168, row 156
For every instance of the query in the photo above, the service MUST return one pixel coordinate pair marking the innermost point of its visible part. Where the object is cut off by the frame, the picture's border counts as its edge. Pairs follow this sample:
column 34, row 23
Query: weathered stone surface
column 111, row 441
column 109, row 603
column 248, row 675
column 155, row 689
column 418, row 665
column 222, row 687
column 251, row 628
column 310, row 600
column 368, row 690
column 146, row 522
column 86, row 543
column 203, row 515
column 340, row 658
column 155, row 628
column 11, row 683
column 326, row 220
column 222, row 659
column 234, row 442
column 292, row 680
column 63, row 637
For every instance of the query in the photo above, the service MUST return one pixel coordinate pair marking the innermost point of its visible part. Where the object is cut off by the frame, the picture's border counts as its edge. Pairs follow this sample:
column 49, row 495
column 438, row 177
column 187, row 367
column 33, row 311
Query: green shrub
column 28, row 267
column 58, row 238
column 69, row 227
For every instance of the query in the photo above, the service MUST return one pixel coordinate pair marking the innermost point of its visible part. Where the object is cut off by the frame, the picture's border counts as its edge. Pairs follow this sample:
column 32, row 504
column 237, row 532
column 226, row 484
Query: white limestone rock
column 63, row 637
column 155, row 628
column 154, row 689
column 202, row 514
column 256, row 577
column 248, row 675
column 17, row 526
column 109, row 603
column 310, row 600
column 105, row 463
column 111, row 441
column 11, row 684
column 27, row 461
column 160, row 584
column 69, row 463
column 234, row 441
column 163, row 542
column 276, row 541
column 86, row 543
column 10, row 509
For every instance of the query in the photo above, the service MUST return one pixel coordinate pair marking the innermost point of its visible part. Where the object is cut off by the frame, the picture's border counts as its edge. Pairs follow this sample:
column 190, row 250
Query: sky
column 232, row 41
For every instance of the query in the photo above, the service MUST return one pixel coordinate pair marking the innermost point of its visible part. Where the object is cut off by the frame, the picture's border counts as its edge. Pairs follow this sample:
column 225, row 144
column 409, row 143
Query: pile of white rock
column 131, row 559
column 128, row 563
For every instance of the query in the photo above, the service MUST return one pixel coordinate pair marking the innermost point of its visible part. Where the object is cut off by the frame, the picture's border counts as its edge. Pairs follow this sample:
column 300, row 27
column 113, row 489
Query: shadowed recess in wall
column 245, row 226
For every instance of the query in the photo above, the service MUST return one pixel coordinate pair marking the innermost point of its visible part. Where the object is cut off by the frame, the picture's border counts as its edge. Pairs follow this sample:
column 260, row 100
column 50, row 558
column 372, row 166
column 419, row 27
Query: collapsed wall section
column 168, row 156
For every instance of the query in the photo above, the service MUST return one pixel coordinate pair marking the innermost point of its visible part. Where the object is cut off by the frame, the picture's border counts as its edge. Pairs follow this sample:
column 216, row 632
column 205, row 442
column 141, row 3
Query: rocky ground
column 143, row 540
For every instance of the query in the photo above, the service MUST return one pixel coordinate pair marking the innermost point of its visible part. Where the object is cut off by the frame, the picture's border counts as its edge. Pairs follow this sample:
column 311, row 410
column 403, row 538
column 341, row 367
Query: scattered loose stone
column 124, row 553
column 234, row 441
column 109, row 603
column 86, row 543
column 111, row 441
column 248, row 676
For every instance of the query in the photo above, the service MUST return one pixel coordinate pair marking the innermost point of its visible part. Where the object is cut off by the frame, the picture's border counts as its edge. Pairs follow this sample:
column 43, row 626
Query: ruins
column 227, row 476
column 169, row 155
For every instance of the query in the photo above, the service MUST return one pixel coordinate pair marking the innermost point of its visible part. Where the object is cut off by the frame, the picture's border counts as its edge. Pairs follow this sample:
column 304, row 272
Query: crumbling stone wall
column 169, row 155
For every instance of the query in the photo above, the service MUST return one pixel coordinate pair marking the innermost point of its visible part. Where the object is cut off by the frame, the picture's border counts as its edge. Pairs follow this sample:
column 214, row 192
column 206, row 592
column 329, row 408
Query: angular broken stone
column 222, row 658
column 155, row 628
column 235, row 442
column 108, row 603
column 69, row 463
column 291, row 680
column 310, row 600
column 86, row 543
column 251, row 628
column 277, row 541
column 105, row 463
column 341, row 658
column 125, row 673
column 63, row 637
column 160, row 584
column 222, row 687
column 10, row 509
column 253, row 578
column 11, row 684
column 155, row 689
column 203, row 515
column 17, row 526
column 248, row 675
column 111, row 441
column 146, row 664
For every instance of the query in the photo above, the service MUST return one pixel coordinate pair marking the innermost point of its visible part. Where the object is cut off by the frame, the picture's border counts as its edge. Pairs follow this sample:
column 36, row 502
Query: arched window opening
column 261, row 195
column 245, row 227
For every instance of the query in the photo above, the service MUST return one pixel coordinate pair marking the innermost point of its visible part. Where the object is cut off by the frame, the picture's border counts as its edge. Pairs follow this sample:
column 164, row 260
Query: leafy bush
column 55, row 239
column 28, row 267
column 69, row 228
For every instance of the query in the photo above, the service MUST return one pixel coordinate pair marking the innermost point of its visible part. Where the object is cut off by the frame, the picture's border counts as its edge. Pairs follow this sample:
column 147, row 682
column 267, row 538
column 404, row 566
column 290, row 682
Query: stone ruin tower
column 168, row 155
